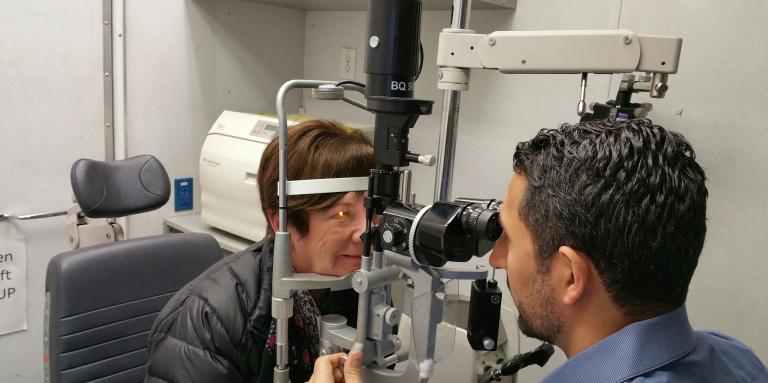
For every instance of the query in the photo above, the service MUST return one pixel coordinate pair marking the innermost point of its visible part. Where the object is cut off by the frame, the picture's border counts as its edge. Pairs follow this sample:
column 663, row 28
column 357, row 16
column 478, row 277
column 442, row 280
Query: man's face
column 530, row 287
column 332, row 245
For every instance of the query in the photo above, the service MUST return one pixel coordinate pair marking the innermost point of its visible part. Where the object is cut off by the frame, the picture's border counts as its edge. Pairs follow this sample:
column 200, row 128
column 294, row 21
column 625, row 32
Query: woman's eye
column 342, row 215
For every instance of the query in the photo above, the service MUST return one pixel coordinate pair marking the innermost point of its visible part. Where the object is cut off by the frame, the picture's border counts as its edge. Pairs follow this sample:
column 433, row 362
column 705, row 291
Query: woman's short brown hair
column 316, row 149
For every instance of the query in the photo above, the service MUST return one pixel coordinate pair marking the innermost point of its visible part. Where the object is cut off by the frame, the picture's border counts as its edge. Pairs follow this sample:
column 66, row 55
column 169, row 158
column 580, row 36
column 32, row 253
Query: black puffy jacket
column 215, row 328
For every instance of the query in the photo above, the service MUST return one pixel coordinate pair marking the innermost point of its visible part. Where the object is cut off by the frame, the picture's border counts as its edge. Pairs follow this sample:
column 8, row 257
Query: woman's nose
column 359, row 227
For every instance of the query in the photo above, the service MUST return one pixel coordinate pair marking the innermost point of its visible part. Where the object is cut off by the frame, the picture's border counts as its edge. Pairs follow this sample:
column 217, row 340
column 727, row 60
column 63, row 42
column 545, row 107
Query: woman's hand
column 328, row 369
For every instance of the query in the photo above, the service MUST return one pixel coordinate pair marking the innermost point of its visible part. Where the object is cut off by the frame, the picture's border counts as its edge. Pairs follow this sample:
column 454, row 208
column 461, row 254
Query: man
column 604, row 223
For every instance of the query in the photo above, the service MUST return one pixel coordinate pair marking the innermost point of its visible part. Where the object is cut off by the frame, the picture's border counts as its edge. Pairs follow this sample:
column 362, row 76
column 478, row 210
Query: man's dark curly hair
column 630, row 195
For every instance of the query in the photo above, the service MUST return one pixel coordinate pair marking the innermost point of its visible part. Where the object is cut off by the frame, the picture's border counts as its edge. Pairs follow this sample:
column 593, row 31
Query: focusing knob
column 394, row 234
column 394, row 237
column 387, row 236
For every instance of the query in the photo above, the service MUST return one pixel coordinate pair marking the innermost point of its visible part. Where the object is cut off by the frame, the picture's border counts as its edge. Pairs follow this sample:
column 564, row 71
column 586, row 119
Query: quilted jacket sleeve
column 193, row 347
column 213, row 329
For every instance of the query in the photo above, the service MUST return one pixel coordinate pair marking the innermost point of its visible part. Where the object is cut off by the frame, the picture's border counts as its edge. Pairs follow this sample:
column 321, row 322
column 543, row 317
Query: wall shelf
column 361, row 5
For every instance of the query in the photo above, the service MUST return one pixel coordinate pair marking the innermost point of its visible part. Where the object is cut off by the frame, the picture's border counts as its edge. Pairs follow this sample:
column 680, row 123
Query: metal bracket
column 82, row 233
column 312, row 281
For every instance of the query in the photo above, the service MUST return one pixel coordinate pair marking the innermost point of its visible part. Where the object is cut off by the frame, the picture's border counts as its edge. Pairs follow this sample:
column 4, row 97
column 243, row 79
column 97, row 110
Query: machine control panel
column 264, row 129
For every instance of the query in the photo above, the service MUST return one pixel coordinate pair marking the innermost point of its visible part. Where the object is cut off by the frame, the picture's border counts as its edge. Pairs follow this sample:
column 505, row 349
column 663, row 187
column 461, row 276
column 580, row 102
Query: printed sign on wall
column 13, row 285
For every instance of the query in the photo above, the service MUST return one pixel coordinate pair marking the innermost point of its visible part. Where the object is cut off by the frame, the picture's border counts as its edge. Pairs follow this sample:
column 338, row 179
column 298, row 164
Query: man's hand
column 328, row 368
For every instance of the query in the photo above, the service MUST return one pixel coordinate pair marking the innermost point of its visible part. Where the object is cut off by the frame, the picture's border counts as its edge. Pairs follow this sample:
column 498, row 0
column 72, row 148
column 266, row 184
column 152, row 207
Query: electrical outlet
column 348, row 63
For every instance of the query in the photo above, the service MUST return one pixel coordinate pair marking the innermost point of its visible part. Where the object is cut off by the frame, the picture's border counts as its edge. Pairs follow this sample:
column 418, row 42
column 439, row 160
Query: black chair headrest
column 110, row 189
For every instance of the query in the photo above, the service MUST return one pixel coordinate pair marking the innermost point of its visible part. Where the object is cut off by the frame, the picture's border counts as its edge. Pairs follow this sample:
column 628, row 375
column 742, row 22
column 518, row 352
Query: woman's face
column 332, row 245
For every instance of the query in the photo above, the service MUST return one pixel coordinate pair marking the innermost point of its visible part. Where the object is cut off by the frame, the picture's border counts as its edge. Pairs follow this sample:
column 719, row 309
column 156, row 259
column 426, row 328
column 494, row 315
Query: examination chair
column 102, row 300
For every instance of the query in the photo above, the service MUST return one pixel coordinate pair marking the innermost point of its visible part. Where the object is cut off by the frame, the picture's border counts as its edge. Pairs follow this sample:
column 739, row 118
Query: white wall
column 187, row 60
column 51, row 114
column 720, row 89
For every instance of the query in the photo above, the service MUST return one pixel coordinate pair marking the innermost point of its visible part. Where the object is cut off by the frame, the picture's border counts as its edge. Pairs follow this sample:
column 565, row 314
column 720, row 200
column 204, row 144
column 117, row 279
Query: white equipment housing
column 229, row 166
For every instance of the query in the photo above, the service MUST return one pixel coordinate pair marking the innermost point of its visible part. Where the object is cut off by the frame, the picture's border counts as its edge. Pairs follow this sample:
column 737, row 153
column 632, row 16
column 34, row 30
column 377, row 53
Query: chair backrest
column 101, row 302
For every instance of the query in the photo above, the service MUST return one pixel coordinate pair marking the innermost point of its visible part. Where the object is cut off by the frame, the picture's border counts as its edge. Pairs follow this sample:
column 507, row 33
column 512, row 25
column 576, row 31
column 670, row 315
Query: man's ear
column 274, row 220
column 573, row 272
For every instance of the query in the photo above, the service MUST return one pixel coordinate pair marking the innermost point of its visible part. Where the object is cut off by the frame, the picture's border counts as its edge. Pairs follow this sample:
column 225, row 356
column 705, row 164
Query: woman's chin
column 346, row 264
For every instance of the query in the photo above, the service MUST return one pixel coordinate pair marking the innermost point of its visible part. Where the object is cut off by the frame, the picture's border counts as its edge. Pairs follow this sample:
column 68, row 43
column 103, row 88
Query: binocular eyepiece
column 445, row 231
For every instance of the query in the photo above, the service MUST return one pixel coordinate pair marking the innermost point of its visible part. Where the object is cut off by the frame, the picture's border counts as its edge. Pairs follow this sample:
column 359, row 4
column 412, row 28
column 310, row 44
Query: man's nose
column 498, row 258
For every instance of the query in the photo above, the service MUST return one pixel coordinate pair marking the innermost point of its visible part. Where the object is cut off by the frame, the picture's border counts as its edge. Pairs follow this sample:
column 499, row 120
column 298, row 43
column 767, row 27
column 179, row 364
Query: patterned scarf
column 304, row 351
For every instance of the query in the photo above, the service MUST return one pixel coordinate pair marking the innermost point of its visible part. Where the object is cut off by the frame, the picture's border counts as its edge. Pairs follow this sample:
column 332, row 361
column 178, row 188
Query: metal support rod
column 581, row 108
column 405, row 195
column 353, row 87
column 355, row 103
column 659, row 85
column 283, row 142
column 450, row 118
column 118, row 96
column 281, row 347
column 448, row 126
column 32, row 216
column 398, row 356
column 362, row 310
column 282, row 304
column 282, row 310
column 460, row 17
column 107, row 69
column 358, row 89
column 118, row 81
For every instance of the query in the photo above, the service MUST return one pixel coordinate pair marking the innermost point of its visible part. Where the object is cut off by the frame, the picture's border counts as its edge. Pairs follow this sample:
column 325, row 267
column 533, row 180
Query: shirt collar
column 632, row 351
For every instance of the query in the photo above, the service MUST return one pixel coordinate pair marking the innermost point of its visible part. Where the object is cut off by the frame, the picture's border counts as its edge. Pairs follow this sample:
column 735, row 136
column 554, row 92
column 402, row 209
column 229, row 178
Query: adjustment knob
column 392, row 316
column 393, row 235
column 394, row 231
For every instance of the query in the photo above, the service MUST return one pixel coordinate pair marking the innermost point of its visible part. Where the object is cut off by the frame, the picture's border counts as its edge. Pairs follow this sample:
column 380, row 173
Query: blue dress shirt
column 663, row 349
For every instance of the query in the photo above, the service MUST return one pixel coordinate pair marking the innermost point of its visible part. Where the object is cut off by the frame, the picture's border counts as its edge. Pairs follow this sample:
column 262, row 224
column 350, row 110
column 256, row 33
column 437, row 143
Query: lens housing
column 480, row 220
column 446, row 231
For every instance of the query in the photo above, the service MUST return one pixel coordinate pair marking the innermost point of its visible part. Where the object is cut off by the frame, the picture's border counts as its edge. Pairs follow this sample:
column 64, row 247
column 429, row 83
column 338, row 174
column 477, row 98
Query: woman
column 219, row 327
